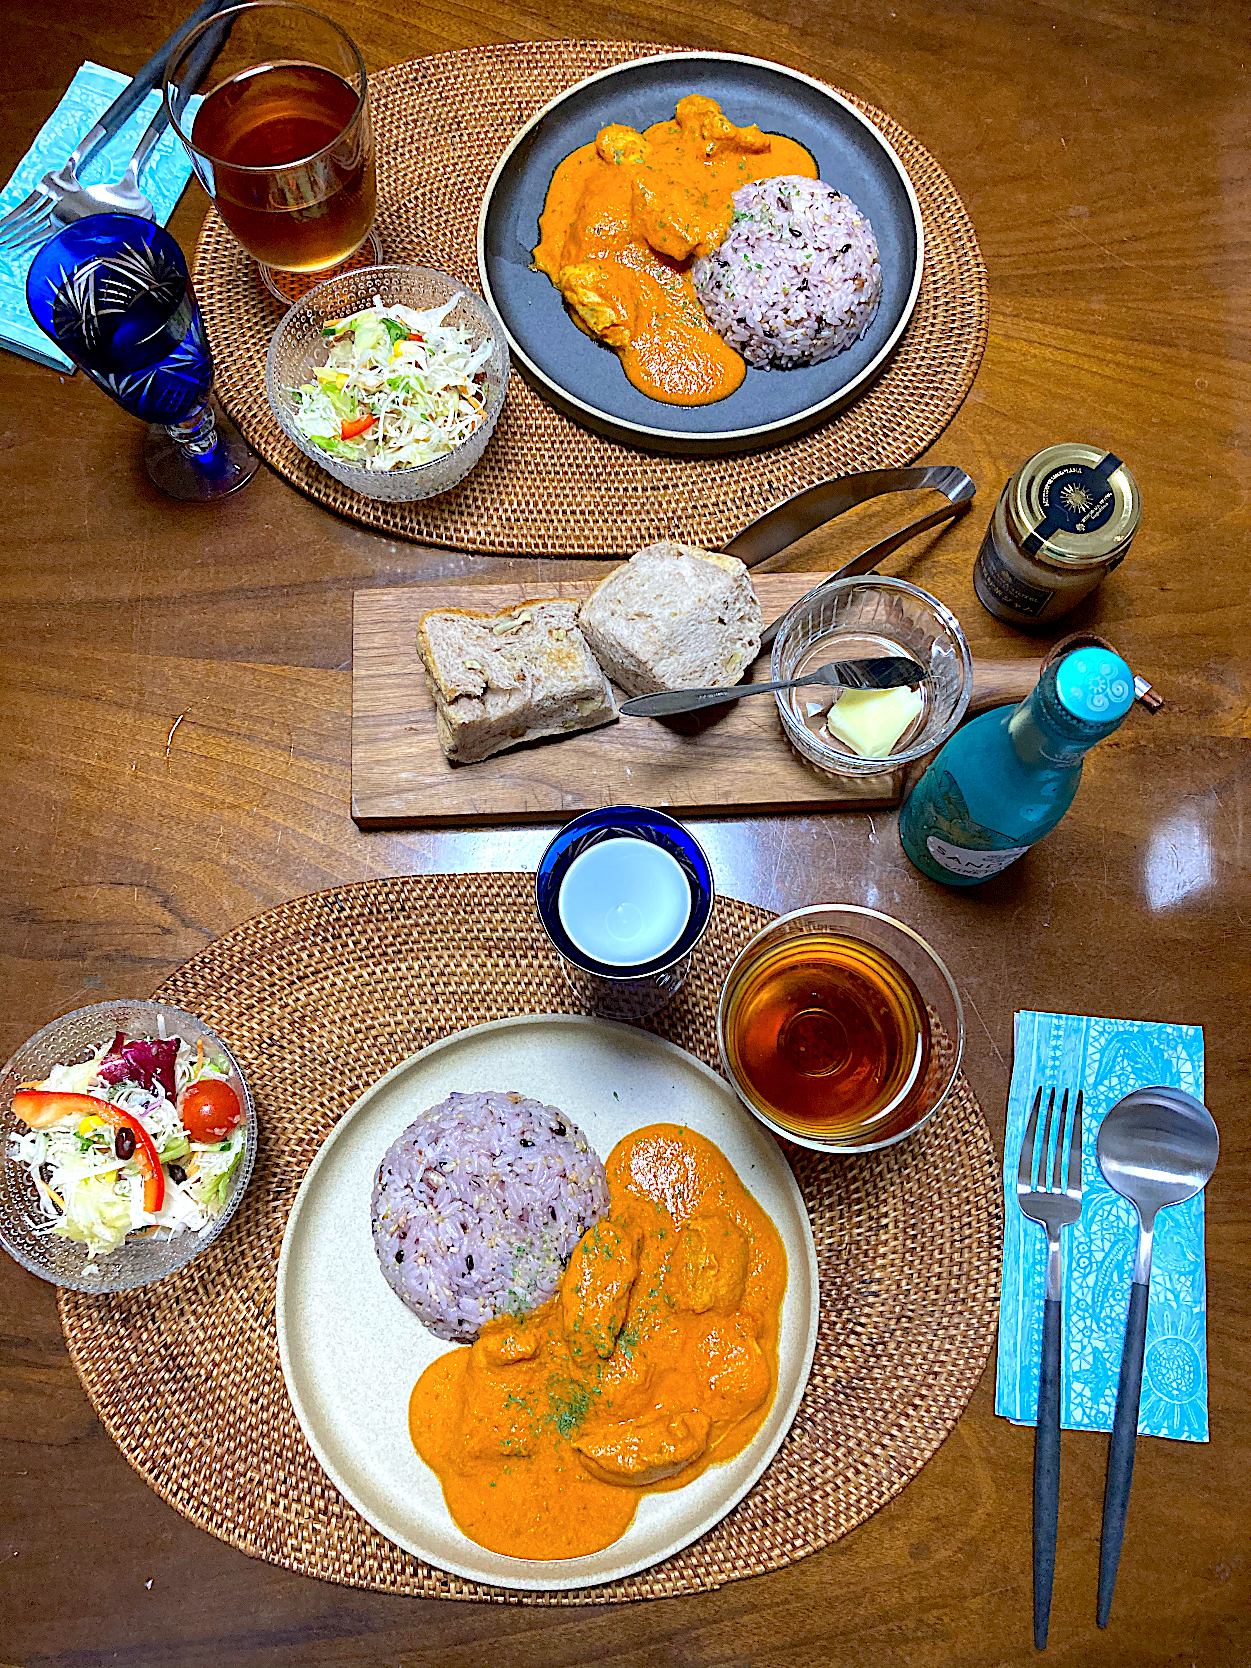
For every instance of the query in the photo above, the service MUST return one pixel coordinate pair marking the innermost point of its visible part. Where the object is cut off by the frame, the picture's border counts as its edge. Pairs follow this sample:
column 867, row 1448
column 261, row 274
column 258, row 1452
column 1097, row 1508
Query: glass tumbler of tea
column 840, row 1028
column 283, row 142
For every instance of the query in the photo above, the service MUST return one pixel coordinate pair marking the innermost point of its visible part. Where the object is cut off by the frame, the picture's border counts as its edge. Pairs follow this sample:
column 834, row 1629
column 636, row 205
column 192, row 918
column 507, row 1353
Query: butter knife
column 892, row 671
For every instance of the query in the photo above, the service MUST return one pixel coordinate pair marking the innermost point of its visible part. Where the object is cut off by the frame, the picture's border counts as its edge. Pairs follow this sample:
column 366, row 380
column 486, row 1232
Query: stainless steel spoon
column 124, row 196
column 1157, row 1147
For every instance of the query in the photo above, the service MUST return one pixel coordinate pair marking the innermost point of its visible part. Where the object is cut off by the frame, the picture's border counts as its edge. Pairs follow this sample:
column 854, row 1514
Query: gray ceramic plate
column 582, row 377
column 351, row 1352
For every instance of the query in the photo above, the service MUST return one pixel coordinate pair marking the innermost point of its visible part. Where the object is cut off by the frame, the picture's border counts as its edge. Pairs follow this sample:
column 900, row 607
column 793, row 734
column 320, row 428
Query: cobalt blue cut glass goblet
column 114, row 293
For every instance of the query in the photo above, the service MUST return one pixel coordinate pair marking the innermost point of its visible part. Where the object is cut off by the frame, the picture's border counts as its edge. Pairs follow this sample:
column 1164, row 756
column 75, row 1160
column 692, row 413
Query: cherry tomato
column 210, row 1109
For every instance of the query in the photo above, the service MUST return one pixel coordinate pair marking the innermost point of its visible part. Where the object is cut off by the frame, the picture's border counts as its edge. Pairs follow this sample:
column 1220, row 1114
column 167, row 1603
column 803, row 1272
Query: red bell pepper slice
column 40, row 1108
column 349, row 429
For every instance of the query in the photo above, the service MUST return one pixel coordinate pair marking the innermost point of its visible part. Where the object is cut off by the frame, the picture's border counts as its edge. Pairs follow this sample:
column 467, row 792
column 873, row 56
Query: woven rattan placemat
column 546, row 486
column 318, row 999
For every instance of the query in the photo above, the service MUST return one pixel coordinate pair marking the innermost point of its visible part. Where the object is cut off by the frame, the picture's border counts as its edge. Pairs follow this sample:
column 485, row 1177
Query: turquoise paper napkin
column 88, row 96
column 1106, row 1058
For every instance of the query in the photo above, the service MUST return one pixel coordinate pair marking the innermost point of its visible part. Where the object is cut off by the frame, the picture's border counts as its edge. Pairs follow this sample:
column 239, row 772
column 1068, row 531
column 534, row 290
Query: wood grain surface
column 176, row 752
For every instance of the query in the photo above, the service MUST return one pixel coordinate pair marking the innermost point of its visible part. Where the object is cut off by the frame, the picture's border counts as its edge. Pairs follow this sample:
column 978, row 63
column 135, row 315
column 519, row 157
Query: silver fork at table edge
column 1056, row 1205
column 40, row 202
column 122, row 196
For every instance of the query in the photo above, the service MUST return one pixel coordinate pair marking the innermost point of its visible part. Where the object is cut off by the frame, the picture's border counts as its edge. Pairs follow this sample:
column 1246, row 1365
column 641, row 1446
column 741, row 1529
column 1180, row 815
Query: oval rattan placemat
column 319, row 998
column 545, row 486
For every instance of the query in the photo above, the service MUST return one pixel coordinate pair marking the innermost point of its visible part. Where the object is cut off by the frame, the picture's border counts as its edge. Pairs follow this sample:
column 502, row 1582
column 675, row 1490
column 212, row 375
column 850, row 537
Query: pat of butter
column 871, row 721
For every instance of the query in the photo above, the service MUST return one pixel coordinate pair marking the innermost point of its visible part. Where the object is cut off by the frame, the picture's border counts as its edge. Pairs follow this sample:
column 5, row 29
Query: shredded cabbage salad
column 399, row 387
column 90, row 1194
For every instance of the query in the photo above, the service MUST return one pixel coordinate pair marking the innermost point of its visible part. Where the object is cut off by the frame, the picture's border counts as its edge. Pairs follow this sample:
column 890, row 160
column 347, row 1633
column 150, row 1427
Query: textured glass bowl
column 138, row 1262
column 298, row 345
column 933, row 982
column 871, row 616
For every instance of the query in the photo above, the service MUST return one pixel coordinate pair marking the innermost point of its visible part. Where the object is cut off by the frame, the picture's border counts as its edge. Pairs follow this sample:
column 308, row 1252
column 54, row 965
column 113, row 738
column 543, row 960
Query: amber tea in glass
column 830, row 1037
column 284, row 145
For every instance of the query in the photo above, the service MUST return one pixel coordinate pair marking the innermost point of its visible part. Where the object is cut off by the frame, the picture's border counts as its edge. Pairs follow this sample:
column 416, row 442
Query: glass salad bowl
column 23, row 1225
column 299, row 347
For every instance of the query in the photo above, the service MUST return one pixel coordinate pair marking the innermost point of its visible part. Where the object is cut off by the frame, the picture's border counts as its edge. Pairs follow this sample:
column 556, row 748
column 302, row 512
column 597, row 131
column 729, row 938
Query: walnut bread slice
column 674, row 617
column 501, row 679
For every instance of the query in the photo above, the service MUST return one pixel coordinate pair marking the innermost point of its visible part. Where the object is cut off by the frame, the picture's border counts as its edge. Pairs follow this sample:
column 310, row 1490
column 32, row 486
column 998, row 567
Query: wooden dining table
column 175, row 738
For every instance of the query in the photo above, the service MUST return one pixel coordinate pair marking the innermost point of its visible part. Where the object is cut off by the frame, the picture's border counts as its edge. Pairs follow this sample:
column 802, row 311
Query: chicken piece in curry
column 625, row 219
column 656, row 1358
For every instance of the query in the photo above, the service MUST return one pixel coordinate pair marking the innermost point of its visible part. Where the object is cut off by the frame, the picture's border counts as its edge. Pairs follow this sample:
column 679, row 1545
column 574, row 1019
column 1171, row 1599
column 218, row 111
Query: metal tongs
column 777, row 529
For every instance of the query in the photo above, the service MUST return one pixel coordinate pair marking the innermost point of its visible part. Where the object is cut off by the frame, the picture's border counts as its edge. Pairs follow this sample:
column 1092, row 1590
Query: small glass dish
column 23, row 1226
column 298, row 345
column 747, row 1001
column 862, row 617
column 622, row 990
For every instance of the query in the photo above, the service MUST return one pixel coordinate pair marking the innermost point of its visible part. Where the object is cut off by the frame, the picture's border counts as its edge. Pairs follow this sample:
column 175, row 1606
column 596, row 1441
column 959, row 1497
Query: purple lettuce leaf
column 141, row 1060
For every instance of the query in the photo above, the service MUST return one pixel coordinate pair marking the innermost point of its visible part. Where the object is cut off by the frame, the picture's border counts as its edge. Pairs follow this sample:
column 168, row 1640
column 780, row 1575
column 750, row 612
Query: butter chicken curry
column 625, row 219
column 656, row 1358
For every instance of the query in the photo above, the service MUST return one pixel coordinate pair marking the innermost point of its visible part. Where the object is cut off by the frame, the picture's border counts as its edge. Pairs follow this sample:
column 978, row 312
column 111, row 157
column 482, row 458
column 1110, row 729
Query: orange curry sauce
column 655, row 1359
column 624, row 221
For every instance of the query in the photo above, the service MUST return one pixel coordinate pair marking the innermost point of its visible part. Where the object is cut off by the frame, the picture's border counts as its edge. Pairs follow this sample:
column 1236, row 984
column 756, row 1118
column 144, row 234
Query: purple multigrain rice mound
column 797, row 277
column 477, row 1207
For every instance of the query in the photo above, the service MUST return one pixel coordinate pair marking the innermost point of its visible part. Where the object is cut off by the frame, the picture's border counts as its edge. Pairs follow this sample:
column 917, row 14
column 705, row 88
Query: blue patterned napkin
column 1106, row 1058
column 88, row 96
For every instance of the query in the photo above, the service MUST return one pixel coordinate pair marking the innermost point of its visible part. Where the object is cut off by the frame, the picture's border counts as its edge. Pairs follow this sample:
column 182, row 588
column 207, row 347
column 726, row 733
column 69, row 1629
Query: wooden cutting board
column 736, row 760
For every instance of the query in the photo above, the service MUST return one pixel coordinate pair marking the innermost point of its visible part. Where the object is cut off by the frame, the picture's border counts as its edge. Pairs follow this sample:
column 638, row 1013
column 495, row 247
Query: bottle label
column 972, row 865
column 991, row 573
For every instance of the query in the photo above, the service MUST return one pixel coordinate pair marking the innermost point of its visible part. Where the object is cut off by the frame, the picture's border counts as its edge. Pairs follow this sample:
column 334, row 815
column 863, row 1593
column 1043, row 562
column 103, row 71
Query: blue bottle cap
column 1095, row 685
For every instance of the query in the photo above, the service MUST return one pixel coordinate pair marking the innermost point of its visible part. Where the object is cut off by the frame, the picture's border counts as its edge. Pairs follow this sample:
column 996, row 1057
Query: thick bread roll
column 500, row 679
column 674, row 617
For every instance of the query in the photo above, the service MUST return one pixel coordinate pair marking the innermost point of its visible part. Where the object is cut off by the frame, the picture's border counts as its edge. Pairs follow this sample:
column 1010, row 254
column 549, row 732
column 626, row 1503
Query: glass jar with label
column 1062, row 523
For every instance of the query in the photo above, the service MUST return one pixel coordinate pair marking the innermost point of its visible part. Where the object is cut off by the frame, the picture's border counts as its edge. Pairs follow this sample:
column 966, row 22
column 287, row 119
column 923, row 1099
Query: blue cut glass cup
column 114, row 293
column 624, row 924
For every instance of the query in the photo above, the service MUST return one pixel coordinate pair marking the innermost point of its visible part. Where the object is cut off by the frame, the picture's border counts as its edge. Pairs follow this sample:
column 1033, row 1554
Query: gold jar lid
column 1073, row 506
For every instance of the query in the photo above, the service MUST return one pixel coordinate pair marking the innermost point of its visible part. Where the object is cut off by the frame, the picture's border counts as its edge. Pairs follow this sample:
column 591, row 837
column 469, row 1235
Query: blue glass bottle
column 1007, row 777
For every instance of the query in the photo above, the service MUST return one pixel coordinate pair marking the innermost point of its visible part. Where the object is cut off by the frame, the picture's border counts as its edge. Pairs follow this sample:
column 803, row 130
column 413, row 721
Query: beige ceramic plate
column 351, row 1352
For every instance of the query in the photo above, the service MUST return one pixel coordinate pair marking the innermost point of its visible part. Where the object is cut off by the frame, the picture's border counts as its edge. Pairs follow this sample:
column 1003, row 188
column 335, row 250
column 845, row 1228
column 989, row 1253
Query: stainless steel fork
column 38, row 206
column 121, row 196
column 1049, row 1192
